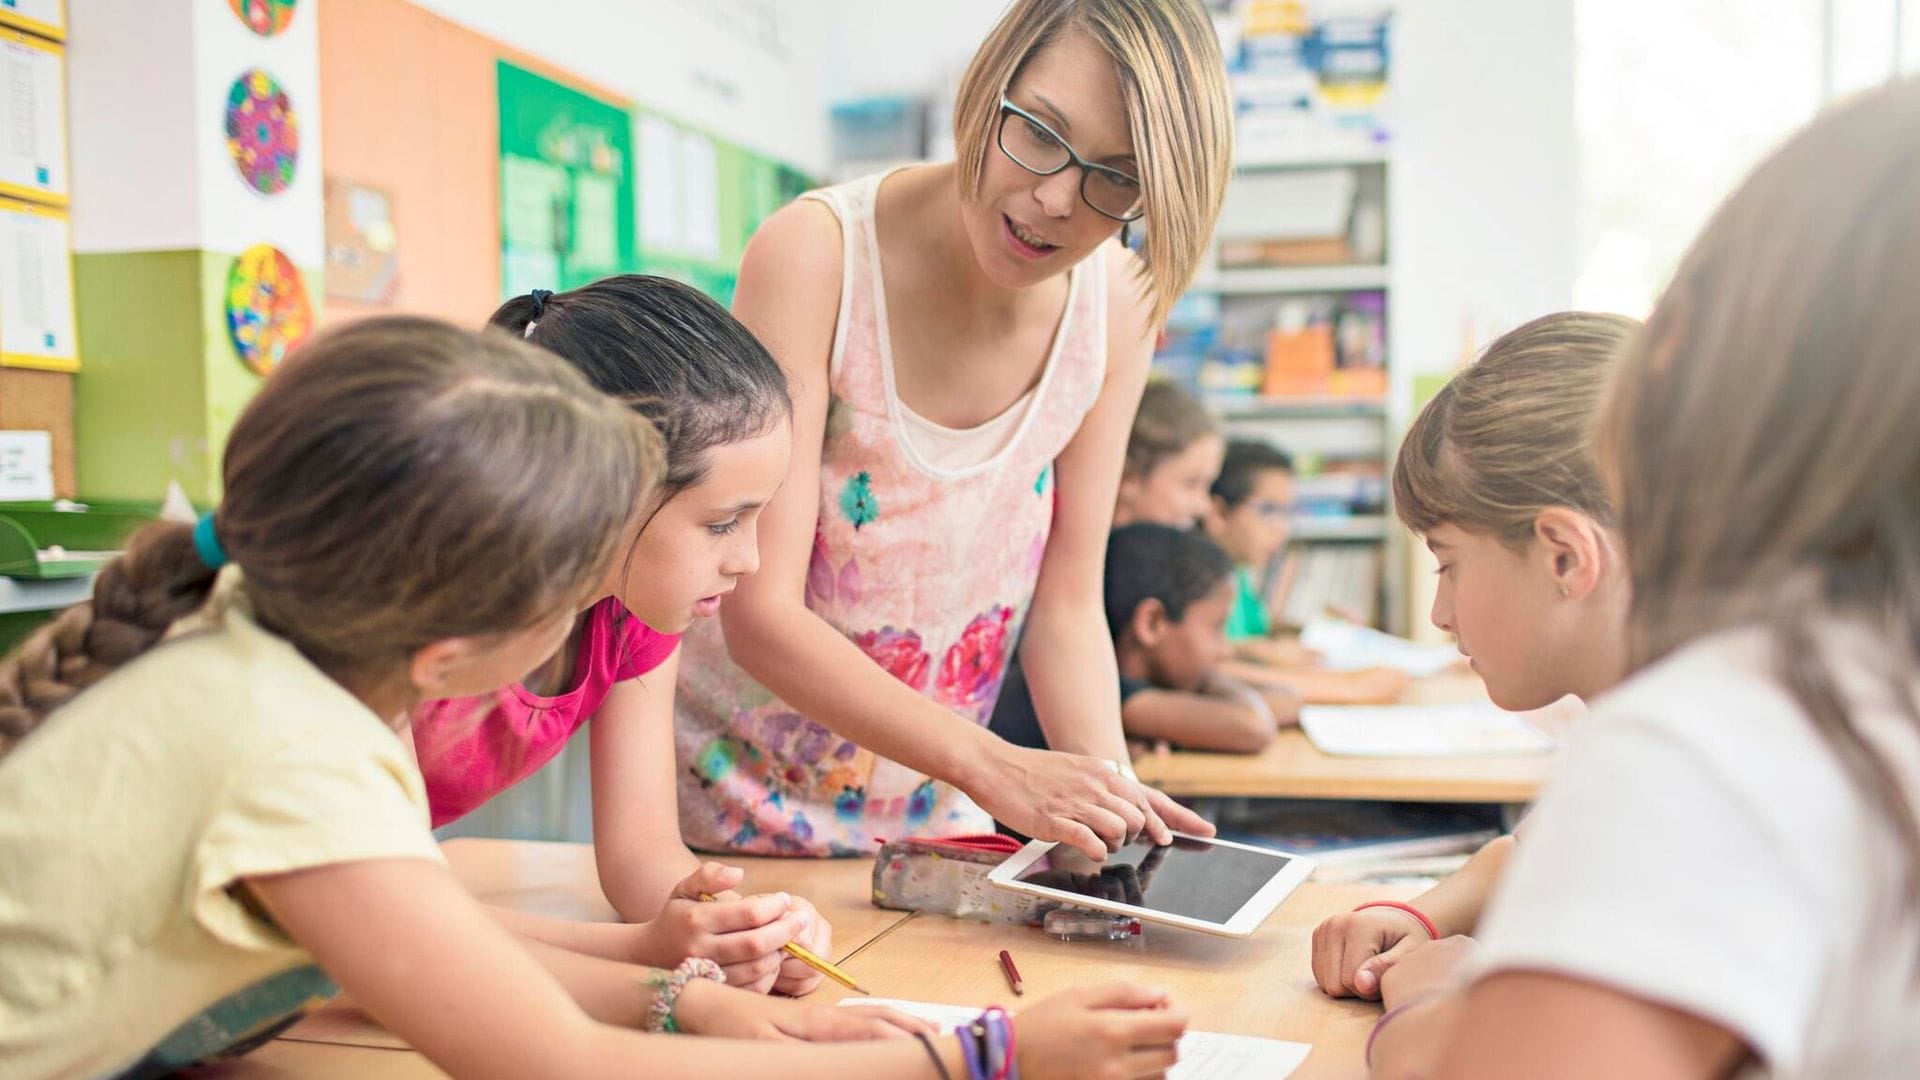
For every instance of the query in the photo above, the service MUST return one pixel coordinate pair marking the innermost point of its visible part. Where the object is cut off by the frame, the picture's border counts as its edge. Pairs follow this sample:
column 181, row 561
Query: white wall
column 1485, row 172
column 746, row 70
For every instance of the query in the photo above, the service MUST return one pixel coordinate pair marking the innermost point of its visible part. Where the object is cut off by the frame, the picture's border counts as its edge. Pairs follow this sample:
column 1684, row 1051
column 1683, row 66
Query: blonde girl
column 1173, row 454
column 1722, row 878
column 1497, row 475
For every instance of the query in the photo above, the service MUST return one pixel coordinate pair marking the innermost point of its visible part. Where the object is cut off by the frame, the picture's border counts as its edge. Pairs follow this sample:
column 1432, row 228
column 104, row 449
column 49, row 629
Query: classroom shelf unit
column 1231, row 342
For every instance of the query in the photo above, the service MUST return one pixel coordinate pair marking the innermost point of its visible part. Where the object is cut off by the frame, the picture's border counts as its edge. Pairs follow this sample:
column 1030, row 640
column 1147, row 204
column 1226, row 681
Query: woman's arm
column 1066, row 649
column 788, row 295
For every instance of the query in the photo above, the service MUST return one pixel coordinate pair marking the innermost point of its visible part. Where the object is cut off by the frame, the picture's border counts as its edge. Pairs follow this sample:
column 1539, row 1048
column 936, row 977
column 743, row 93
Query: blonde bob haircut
column 1175, row 85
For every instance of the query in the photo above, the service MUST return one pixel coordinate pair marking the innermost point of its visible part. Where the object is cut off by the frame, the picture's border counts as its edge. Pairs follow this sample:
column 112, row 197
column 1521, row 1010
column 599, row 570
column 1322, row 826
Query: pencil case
column 948, row 876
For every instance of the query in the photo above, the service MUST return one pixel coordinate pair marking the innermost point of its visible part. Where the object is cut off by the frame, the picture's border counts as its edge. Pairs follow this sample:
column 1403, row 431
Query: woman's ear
column 1573, row 547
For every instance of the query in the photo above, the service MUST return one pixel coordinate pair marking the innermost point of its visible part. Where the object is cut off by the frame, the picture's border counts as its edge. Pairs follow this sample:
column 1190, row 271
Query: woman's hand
column 1113, row 1032
column 1080, row 801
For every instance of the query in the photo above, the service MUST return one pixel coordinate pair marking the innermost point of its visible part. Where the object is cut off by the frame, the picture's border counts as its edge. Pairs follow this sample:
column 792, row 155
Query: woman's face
column 1026, row 228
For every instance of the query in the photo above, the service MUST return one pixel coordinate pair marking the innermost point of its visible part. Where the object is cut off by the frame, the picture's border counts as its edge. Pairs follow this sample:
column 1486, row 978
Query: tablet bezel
column 1241, row 924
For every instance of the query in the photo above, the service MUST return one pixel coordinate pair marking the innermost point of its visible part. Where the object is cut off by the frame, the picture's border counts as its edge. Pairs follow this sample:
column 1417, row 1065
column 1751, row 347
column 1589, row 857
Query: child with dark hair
column 1167, row 596
column 721, row 403
column 1251, row 520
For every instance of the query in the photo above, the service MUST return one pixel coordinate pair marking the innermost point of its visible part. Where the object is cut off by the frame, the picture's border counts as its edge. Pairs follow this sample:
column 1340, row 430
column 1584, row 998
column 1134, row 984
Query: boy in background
column 1168, row 595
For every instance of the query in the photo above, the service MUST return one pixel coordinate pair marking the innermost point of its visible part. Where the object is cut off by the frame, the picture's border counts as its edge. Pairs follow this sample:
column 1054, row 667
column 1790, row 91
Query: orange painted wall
column 409, row 105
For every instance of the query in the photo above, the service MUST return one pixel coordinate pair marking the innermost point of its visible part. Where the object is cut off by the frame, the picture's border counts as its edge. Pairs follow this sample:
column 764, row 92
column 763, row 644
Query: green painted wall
column 160, row 385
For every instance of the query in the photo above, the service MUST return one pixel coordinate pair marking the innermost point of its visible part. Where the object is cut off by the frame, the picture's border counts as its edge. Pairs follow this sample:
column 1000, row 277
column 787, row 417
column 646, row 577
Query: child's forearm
column 637, row 883
column 608, row 941
column 1456, row 902
column 1411, row 1042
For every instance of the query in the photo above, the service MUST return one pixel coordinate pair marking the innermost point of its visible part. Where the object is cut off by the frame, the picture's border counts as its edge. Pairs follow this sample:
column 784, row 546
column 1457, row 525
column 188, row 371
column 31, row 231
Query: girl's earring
column 1566, row 592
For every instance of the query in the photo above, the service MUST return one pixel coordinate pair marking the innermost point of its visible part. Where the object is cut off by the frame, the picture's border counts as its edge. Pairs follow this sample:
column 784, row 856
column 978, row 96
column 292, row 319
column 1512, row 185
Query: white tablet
column 1211, row 885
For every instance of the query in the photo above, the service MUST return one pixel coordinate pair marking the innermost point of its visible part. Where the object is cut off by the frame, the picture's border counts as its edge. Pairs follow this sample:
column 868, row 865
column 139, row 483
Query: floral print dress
column 928, row 570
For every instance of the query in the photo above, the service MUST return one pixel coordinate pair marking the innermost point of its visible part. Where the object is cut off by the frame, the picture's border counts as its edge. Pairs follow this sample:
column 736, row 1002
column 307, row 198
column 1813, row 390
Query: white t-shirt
column 1703, row 848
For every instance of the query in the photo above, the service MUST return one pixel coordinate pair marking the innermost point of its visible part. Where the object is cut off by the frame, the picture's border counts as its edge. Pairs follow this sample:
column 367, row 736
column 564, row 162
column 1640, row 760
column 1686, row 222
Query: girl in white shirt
column 1723, row 878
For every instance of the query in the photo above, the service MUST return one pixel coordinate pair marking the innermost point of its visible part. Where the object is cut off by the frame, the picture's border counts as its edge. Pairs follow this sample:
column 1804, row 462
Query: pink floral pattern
column 970, row 672
column 899, row 651
column 929, row 572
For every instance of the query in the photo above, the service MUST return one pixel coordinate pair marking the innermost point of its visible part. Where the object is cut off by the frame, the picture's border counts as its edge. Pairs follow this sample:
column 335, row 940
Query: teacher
column 966, row 344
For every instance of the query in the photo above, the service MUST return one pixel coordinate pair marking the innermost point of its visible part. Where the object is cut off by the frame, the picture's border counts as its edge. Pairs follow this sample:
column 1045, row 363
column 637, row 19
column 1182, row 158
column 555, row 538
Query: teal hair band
column 207, row 545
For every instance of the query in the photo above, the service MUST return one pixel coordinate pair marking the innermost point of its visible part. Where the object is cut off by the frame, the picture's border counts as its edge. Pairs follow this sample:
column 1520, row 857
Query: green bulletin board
column 566, row 185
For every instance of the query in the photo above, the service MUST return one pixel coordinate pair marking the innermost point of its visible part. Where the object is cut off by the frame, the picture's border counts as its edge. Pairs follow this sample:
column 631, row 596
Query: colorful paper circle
column 262, row 133
column 267, row 309
column 264, row 17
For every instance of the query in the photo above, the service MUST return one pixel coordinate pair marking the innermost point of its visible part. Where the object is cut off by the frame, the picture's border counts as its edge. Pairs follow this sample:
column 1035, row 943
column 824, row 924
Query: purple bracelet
column 999, row 1042
column 1422, row 999
column 973, row 1049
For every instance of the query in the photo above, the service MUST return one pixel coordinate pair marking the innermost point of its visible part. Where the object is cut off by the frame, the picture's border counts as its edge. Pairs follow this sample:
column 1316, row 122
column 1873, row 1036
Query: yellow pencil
column 820, row 964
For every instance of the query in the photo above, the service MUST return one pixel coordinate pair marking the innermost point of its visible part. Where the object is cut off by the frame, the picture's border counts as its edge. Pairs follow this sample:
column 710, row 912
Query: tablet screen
column 1187, row 877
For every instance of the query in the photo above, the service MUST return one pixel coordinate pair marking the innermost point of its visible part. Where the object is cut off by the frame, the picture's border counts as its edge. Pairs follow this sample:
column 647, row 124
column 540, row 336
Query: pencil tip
column 861, row 990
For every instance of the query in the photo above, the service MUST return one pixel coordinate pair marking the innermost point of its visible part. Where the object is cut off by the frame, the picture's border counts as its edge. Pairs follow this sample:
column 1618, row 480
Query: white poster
column 659, row 177
column 26, row 465
column 700, row 179
column 36, row 288
column 33, row 129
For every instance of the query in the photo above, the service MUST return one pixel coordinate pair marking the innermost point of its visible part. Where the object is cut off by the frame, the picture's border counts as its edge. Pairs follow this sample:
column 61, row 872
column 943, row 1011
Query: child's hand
column 707, row 1008
column 744, row 935
column 796, row 978
column 1116, row 1032
column 1432, row 967
column 1352, row 951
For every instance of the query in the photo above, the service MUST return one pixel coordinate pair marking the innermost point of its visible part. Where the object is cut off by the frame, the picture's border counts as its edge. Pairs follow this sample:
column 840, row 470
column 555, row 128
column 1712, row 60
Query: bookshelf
column 1286, row 332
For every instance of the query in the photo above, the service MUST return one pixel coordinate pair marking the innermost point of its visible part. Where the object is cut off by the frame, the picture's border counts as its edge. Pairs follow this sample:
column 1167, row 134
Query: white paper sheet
column 1345, row 646
column 1204, row 1055
column 1467, row 728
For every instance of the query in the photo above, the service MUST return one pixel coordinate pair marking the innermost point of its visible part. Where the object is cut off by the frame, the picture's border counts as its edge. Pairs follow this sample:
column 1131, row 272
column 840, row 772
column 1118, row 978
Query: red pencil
column 1013, row 973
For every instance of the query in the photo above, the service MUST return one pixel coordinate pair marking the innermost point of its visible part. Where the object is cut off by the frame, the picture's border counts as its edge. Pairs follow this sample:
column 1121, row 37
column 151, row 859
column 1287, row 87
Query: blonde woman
column 1722, row 878
column 966, row 344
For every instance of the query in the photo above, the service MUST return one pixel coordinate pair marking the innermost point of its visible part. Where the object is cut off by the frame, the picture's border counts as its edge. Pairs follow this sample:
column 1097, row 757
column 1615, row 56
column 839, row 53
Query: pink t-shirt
column 473, row 748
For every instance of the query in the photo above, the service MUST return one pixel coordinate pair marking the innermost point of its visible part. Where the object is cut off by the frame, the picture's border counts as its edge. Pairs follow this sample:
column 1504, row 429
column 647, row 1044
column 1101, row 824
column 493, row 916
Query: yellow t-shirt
column 220, row 754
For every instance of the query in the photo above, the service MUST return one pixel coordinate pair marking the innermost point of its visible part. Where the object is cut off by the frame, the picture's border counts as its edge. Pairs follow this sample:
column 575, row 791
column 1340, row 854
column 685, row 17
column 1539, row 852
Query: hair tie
column 540, row 297
column 207, row 545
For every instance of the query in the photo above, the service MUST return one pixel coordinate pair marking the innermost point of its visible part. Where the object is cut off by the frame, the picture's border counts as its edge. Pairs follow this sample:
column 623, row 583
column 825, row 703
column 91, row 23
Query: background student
column 1173, row 455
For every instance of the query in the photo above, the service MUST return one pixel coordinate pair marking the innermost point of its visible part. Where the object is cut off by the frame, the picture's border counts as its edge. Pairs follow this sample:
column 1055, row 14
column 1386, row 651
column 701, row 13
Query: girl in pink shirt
column 721, row 402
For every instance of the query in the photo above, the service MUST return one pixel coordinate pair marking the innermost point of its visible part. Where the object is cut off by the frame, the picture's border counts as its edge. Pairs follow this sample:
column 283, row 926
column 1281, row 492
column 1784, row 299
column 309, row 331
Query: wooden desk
column 1262, row 986
column 559, row 880
column 1291, row 767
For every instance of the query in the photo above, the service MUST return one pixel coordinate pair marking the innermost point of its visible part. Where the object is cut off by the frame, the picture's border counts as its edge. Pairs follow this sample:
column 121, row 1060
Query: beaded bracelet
column 660, row 1013
column 1426, row 923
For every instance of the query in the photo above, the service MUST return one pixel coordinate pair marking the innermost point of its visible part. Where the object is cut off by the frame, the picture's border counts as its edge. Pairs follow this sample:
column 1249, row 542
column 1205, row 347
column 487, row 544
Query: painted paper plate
column 264, row 17
column 262, row 133
column 267, row 308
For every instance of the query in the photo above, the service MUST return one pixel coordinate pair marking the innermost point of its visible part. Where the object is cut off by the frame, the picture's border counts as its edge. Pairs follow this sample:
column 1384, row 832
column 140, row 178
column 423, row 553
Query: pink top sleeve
column 471, row 749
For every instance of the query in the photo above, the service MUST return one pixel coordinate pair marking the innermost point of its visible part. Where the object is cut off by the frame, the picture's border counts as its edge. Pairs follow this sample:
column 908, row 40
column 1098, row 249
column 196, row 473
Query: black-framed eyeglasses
column 1029, row 143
